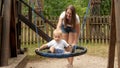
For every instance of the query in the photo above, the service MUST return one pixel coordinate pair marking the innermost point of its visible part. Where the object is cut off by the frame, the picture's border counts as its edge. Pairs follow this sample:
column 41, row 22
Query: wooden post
column 117, row 14
column 1, row 7
column 30, row 19
column 112, row 38
column 5, row 33
column 18, row 28
column 0, row 35
column 13, row 36
column 0, row 29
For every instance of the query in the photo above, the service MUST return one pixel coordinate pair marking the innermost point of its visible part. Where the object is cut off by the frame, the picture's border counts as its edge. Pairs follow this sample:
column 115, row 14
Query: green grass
column 94, row 49
column 31, row 52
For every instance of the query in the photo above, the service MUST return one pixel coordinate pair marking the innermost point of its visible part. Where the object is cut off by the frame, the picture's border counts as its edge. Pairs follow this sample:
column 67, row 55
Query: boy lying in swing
column 57, row 45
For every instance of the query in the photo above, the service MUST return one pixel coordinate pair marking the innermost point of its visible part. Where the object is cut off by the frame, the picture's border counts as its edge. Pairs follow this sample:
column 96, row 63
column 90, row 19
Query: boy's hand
column 69, row 48
column 38, row 49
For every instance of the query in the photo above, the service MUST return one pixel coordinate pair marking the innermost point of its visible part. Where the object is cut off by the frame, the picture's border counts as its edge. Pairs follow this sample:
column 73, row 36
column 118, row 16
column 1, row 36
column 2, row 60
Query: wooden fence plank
column 87, row 31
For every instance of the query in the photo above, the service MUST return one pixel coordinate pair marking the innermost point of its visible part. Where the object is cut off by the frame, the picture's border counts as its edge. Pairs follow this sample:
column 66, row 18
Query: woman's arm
column 59, row 23
column 77, row 29
column 77, row 32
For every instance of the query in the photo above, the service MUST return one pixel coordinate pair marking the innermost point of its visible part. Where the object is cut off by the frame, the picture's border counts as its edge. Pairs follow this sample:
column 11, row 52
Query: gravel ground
column 84, row 61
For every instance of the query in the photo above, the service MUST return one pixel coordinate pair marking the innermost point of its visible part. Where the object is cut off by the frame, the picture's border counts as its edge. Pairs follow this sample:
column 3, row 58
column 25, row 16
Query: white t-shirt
column 58, row 45
column 63, row 15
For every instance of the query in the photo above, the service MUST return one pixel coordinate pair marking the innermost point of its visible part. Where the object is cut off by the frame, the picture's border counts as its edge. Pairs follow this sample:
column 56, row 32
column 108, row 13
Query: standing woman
column 69, row 24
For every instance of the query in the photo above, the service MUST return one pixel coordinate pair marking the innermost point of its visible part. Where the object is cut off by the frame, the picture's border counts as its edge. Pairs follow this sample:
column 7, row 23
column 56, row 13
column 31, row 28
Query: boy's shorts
column 67, row 29
column 59, row 51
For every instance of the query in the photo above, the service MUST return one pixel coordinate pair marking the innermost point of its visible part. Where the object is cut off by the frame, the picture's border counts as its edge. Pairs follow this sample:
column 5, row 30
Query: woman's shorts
column 59, row 51
column 67, row 29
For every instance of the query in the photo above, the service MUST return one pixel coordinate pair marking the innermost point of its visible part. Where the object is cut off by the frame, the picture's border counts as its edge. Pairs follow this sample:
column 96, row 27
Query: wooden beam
column 33, row 27
column 117, row 14
column 39, row 14
column 112, row 38
column 5, row 33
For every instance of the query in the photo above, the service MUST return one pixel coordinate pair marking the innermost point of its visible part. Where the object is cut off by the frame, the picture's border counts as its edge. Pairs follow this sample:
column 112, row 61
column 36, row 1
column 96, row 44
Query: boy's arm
column 43, row 47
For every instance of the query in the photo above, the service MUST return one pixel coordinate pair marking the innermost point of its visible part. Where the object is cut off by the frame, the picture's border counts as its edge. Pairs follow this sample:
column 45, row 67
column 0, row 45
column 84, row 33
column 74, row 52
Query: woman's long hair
column 73, row 19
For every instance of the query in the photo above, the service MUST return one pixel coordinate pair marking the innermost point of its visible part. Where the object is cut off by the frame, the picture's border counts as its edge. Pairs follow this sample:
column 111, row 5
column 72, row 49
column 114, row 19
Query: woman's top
column 63, row 15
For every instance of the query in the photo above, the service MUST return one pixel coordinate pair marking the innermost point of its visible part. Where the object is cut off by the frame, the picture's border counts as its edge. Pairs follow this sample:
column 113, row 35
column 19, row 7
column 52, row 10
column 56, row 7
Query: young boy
column 57, row 45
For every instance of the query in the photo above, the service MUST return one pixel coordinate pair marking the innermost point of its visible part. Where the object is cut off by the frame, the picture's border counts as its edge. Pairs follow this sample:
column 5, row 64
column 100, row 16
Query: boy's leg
column 52, row 49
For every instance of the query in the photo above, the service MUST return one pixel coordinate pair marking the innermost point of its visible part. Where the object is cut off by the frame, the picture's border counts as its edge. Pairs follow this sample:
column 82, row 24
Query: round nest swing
column 79, row 50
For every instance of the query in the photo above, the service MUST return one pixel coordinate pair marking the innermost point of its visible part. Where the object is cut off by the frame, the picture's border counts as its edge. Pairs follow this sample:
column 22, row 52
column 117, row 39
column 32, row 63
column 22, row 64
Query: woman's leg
column 71, row 40
column 65, row 36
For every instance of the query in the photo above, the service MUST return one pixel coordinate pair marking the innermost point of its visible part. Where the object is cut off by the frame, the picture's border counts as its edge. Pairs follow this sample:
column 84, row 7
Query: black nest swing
column 79, row 50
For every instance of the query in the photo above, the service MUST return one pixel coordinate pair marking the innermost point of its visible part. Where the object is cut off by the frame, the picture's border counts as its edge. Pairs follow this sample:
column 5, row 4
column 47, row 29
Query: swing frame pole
column 112, row 38
column 5, row 34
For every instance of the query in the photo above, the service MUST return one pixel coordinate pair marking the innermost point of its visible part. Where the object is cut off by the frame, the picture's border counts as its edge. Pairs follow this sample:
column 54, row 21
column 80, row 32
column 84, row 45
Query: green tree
column 105, row 7
column 55, row 7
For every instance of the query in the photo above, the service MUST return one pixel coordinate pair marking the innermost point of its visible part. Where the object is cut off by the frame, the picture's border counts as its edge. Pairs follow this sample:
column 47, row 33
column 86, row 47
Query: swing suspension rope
column 35, row 23
column 84, row 19
column 79, row 49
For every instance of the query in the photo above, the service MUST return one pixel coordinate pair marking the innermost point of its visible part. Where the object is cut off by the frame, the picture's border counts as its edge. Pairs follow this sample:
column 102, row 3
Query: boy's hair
column 56, row 31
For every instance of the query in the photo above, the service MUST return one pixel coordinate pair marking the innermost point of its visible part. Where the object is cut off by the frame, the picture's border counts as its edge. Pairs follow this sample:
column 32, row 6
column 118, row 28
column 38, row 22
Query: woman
column 69, row 24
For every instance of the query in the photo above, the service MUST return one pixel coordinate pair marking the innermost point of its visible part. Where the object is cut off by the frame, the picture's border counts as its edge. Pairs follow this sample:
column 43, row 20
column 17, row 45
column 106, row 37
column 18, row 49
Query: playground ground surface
column 83, row 61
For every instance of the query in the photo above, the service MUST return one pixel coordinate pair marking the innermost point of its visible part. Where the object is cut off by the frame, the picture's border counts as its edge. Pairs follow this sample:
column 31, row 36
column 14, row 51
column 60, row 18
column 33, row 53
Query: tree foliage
column 55, row 7
column 105, row 7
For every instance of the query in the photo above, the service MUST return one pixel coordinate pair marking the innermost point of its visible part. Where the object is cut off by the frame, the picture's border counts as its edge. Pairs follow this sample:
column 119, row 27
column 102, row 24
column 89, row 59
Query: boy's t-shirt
column 58, row 45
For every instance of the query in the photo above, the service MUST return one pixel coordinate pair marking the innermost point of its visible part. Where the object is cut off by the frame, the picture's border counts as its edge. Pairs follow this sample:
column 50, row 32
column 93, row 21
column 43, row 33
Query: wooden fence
column 30, row 37
column 96, row 30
